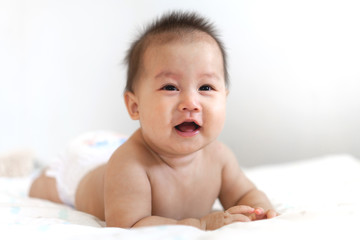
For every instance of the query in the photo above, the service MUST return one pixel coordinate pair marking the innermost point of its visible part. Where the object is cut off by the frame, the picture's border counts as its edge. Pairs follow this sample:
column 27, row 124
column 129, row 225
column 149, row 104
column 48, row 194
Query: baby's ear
column 131, row 105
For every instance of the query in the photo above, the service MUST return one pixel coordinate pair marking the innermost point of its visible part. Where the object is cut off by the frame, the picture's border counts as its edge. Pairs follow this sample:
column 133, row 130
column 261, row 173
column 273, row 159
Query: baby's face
column 181, row 95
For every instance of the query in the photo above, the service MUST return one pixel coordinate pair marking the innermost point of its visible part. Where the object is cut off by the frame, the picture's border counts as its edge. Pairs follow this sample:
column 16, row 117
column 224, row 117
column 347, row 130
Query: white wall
column 294, row 66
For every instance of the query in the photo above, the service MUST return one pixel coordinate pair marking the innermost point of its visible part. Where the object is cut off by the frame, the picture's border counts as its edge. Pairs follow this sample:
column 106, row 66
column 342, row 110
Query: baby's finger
column 271, row 214
column 259, row 211
column 240, row 209
column 240, row 218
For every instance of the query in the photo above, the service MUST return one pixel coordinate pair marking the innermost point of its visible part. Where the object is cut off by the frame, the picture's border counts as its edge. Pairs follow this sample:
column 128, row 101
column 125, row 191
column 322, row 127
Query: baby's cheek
column 220, row 121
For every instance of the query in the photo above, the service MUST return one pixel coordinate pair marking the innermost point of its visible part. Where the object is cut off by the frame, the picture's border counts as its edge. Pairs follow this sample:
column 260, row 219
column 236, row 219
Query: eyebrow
column 168, row 74
column 177, row 76
column 210, row 75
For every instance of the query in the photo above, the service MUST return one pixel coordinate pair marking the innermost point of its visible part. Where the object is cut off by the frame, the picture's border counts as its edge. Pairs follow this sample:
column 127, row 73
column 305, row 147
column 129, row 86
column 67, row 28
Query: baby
column 172, row 169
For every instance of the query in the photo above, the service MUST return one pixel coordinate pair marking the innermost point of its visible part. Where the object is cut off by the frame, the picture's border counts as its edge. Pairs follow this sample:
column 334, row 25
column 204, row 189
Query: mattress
column 317, row 198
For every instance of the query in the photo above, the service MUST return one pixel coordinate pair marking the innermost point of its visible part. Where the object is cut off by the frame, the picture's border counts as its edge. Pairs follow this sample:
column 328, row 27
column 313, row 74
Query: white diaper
column 83, row 154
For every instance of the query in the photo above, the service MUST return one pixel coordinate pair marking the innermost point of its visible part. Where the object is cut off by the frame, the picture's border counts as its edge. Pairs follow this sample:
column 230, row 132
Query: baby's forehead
column 169, row 40
column 153, row 41
column 170, row 46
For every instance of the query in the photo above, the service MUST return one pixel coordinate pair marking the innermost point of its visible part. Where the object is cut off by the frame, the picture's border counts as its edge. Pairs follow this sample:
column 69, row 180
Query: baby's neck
column 175, row 162
column 179, row 162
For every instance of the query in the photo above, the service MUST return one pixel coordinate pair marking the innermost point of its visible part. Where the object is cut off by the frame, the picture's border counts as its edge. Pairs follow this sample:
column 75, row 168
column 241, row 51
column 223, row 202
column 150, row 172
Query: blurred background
column 294, row 70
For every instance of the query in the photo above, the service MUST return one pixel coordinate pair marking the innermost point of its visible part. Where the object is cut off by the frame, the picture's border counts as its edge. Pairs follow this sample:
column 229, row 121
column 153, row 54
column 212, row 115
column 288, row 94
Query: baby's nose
column 189, row 102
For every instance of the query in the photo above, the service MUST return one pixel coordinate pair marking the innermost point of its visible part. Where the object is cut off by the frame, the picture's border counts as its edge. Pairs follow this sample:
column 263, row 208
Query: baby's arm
column 211, row 221
column 237, row 189
column 127, row 193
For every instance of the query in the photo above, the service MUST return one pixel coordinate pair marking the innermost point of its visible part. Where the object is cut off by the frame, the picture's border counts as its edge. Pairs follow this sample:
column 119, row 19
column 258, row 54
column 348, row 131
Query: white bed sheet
column 317, row 198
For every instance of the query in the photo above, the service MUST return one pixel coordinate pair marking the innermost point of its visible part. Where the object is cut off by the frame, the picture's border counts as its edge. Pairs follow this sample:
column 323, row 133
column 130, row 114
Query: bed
column 317, row 198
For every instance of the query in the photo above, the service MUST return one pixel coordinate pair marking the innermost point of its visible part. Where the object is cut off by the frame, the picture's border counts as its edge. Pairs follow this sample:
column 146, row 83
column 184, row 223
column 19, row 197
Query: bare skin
column 172, row 169
column 143, row 190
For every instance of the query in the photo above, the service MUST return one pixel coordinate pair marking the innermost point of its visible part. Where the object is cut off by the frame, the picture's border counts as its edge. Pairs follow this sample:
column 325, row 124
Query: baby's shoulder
column 219, row 152
column 131, row 153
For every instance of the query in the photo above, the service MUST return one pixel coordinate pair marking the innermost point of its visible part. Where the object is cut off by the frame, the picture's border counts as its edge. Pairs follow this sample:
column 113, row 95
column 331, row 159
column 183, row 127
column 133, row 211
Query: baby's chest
column 187, row 199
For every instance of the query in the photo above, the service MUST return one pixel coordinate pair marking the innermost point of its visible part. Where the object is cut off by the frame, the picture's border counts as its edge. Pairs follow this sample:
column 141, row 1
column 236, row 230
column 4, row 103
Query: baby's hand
column 216, row 220
column 260, row 213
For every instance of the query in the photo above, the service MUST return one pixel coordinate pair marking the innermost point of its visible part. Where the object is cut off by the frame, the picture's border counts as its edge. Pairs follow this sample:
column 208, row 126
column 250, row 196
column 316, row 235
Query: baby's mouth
column 187, row 127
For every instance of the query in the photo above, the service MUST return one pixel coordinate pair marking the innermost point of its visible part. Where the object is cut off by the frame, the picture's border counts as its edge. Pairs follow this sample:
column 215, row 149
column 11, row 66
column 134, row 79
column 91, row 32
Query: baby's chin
column 179, row 141
column 182, row 147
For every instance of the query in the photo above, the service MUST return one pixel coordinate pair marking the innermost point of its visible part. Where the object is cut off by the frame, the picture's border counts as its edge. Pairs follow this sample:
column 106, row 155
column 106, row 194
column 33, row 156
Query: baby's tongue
column 186, row 127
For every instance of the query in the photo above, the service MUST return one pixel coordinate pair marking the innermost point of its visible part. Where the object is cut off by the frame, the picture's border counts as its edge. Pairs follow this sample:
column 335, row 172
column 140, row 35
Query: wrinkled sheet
column 317, row 198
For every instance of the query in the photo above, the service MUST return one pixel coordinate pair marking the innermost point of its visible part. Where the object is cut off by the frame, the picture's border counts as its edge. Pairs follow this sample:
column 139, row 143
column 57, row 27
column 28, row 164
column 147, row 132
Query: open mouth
column 187, row 127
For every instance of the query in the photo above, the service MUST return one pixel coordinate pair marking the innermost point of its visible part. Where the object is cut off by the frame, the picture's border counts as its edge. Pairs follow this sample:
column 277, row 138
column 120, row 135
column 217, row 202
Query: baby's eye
column 169, row 88
column 205, row 88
